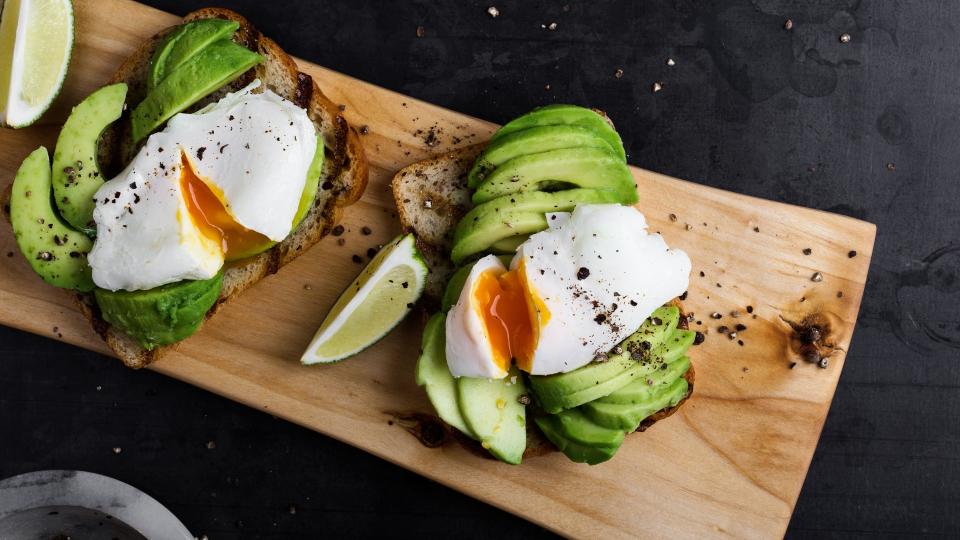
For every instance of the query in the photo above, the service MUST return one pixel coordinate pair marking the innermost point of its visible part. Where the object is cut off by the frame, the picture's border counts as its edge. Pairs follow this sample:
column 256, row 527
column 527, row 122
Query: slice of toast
column 342, row 181
column 431, row 197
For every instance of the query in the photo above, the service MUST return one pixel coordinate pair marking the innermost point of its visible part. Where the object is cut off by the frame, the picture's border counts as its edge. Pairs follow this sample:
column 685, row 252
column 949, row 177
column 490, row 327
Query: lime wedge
column 36, row 39
column 372, row 305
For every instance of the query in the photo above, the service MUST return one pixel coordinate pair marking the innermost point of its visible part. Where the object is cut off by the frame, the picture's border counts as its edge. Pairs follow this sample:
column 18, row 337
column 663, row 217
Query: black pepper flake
column 136, row 198
column 337, row 231
column 133, row 185
column 599, row 319
column 749, row 309
column 716, row 315
column 372, row 252
column 366, row 231
column 364, row 129
column 405, row 284
column 698, row 338
column 741, row 327
column 793, row 365
column 327, row 185
column 740, row 342
column 200, row 152
column 357, row 259
column 702, row 274
column 807, row 251
column 116, row 195
column 224, row 146
column 583, row 273
column 852, row 253
column 524, row 399
column 684, row 295
column 723, row 329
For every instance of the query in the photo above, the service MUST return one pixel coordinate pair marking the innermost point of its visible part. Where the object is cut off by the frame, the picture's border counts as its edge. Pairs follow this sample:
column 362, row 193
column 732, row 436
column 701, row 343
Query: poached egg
column 571, row 294
column 212, row 186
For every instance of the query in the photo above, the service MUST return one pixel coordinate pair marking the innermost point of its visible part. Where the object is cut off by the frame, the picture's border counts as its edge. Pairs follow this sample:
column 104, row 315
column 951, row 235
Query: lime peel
column 377, row 300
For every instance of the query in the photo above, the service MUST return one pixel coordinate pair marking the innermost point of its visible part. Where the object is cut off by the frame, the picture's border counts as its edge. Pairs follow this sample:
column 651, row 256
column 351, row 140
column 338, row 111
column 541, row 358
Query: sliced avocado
column 451, row 294
column 531, row 141
column 76, row 173
column 434, row 375
column 676, row 345
column 516, row 215
column 559, row 114
column 642, row 390
column 312, row 185
column 580, row 439
column 593, row 168
column 493, row 413
column 628, row 416
column 214, row 66
column 574, row 388
column 162, row 315
column 506, row 224
column 509, row 245
column 55, row 251
column 183, row 43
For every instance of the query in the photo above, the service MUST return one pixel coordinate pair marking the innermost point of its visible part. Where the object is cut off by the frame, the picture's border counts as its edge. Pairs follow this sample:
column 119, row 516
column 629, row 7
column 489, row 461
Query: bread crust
column 342, row 181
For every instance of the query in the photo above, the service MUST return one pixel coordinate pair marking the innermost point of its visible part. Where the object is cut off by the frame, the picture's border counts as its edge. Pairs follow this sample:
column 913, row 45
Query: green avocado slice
column 559, row 114
column 493, row 412
column 55, row 251
column 629, row 416
column 642, row 390
column 214, row 66
column 531, row 141
column 579, row 438
column 574, row 388
column 593, row 168
column 183, row 43
column 162, row 315
column 517, row 215
column 434, row 375
column 76, row 173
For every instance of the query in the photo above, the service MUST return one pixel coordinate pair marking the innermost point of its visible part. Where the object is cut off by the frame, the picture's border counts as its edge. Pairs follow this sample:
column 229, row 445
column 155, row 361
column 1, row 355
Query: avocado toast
column 221, row 57
column 550, row 166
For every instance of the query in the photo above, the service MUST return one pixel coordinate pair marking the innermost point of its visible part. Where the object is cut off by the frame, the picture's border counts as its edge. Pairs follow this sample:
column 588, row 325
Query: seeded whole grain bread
column 431, row 197
column 342, row 181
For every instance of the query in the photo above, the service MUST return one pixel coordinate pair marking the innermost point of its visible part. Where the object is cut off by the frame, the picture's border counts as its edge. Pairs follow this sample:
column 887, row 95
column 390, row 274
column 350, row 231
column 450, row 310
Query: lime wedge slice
column 36, row 39
column 372, row 305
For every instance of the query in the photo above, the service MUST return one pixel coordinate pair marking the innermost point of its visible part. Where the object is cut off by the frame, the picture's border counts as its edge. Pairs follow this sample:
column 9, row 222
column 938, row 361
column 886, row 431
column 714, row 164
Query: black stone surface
column 867, row 128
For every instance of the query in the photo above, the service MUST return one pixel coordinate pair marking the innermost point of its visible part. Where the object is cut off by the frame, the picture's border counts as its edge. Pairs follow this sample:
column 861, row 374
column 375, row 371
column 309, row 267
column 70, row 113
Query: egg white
column 252, row 149
column 468, row 349
column 627, row 274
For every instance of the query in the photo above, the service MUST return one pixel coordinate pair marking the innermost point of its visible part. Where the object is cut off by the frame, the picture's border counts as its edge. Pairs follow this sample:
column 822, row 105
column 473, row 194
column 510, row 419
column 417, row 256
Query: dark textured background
column 867, row 128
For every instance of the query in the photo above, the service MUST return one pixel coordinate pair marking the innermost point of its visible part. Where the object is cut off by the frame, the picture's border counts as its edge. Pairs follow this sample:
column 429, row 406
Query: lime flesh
column 377, row 300
column 36, row 39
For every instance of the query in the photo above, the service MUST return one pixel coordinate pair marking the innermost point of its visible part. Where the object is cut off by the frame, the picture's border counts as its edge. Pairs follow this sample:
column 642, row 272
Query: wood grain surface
column 731, row 462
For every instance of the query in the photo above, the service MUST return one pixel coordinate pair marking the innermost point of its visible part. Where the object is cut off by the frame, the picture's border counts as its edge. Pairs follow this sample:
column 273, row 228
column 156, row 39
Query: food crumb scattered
column 211, row 445
column 117, row 449
column 420, row 31
column 292, row 509
column 817, row 277
column 891, row 166
column 493, row 12
column 673, row 218
column 670, row 62
column 618, row 73
column 657, row 86
column 788, row 24
column 845, row 38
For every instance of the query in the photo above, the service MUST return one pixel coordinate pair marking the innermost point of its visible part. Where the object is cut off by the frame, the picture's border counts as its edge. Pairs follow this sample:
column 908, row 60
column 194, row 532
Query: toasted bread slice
column 431, row 197
column 342, row 182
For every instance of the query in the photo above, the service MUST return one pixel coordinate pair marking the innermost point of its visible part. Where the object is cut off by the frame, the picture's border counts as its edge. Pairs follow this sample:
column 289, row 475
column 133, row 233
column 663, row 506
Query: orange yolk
column 512, row 316
column 211, row 217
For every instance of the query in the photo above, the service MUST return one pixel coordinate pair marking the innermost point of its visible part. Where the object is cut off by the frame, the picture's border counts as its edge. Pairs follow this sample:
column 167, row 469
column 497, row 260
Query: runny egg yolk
column 512, row 316
column 212, row 218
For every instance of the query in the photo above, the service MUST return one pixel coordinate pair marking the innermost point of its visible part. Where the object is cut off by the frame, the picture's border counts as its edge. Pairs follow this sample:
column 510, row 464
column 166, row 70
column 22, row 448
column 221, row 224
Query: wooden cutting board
column 731, row 462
